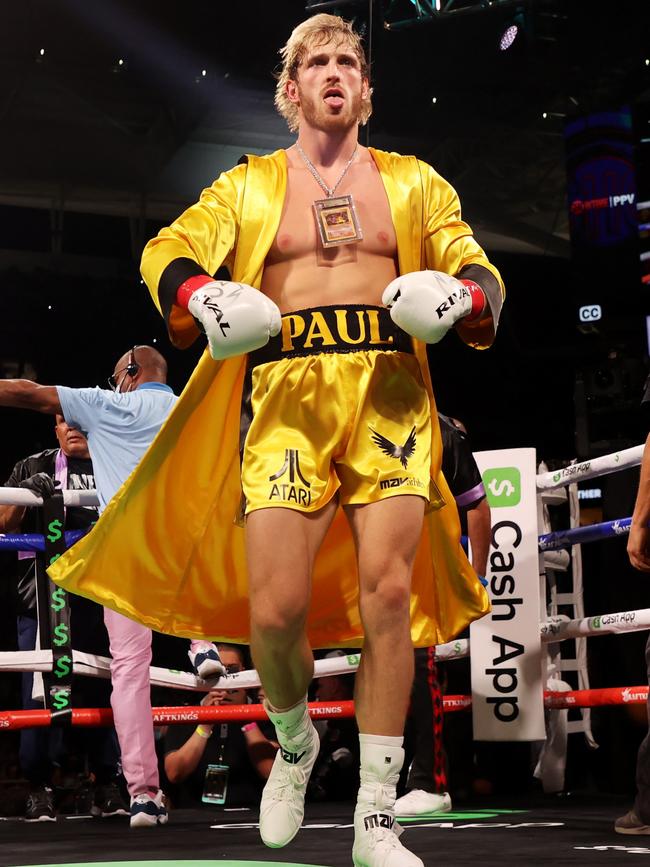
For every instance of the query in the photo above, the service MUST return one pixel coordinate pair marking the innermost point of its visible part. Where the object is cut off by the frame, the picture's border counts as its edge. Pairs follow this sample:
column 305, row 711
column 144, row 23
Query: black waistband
column 340, row 328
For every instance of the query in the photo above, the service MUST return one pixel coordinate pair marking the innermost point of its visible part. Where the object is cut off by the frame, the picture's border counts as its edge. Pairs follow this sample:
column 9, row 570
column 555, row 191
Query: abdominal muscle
column 301, row 284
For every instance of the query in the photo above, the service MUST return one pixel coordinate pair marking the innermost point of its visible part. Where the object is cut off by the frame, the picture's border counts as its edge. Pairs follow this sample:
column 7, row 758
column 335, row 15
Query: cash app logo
column 503, row 486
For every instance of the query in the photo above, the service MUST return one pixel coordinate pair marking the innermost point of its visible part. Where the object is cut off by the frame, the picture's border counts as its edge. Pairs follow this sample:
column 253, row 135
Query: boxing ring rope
column 552, row 630
column 557, row 540
column 14, row 720
column 590, row 469
column 556, row 592
column 36, row 541
column 582, row 535
column 23, row 497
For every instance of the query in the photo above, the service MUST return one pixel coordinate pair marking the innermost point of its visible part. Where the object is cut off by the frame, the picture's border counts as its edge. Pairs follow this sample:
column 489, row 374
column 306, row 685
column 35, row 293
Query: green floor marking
column 454, row 815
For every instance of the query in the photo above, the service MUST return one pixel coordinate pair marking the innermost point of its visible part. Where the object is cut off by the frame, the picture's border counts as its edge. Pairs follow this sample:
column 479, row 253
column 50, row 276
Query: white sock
column 290, row 723
column 385, row 740
column 382, row 757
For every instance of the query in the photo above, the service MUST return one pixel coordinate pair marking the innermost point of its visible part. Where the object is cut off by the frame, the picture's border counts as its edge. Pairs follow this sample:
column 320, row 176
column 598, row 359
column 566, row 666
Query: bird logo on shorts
column 401, row 453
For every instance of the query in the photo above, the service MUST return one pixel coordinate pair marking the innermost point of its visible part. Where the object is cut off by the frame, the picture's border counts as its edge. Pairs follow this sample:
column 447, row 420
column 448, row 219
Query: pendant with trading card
column 337, row 221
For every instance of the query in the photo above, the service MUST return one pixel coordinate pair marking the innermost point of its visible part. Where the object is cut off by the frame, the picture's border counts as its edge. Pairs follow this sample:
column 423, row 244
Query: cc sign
column 590, row 313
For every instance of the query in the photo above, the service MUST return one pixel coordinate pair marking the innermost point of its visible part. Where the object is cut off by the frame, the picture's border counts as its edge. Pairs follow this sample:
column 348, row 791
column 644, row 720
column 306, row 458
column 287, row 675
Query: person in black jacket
column 41, row 749
column 427, row 777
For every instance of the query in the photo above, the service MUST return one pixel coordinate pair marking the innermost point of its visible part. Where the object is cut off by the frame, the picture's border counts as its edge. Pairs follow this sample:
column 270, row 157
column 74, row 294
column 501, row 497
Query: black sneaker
column 40, row 805
column 111, row 802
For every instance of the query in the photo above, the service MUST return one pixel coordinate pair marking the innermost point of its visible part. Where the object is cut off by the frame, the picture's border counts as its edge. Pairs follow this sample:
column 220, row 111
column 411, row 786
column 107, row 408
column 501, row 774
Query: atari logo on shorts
column 289, row 491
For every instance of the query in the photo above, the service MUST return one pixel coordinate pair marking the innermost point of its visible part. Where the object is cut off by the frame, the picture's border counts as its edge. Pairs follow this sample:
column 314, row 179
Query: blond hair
column 317, row 30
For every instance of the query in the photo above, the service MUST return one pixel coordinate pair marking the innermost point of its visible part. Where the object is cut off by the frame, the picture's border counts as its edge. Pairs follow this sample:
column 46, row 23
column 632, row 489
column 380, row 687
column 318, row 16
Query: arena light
column 514, row 27
column 508, row 37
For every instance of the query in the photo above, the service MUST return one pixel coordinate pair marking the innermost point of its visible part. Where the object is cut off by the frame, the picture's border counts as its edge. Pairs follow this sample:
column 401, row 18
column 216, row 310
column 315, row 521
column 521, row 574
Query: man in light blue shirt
column 120, row 425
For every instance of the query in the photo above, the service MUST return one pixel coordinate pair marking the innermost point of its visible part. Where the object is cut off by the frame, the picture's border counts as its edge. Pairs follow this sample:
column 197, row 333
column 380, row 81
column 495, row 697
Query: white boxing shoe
column 376, row 843
column 421, row 803
column 283, row 799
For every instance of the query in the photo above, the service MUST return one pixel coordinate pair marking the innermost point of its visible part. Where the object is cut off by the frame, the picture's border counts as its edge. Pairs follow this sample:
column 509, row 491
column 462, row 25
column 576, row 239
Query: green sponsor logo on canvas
column 502, row 486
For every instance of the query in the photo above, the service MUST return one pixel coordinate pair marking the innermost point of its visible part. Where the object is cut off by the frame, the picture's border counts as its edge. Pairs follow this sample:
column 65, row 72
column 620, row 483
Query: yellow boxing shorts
column 336, row 404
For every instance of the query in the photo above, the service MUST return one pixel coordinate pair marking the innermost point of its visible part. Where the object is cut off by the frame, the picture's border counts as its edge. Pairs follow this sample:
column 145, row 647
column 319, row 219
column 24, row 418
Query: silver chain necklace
column 329, row 191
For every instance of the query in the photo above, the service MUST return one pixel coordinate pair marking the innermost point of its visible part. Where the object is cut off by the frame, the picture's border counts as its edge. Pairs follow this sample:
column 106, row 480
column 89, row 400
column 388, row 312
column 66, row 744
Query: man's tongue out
column 335, row 100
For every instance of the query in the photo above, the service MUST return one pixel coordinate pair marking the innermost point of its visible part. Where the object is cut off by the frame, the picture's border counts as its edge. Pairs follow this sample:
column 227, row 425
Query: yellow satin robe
column 166, row 552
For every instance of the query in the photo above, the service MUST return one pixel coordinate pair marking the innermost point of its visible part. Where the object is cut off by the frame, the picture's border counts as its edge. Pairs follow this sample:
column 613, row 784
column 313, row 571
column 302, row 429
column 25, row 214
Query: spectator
column 120, row 426
column 221, row 763
column 637, row 820
column 336, row 773
column 427, row 777
column 42, row 750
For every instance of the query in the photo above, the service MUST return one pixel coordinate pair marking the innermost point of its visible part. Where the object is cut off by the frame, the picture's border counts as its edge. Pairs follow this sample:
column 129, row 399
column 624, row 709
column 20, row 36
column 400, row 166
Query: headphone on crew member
column 132, row 367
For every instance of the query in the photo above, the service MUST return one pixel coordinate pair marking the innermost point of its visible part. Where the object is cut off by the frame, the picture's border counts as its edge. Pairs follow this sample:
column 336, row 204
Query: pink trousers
column 130, row 645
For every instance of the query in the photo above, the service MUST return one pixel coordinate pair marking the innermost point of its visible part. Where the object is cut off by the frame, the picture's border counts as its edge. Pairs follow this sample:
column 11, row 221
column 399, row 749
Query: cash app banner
column 506, row 648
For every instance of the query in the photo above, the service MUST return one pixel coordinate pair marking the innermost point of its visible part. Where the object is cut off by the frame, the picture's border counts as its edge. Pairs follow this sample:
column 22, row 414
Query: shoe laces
column 40, row 798
column 293, row 777
column 384, row 838
column 377, row 796
column 144, row 798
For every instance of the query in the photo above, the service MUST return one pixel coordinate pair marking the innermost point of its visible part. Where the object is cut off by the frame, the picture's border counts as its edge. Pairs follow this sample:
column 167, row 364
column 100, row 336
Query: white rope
column 99, row 666
column 23, row 497
column 590, row 469
column 559, row 628
column 555, row 629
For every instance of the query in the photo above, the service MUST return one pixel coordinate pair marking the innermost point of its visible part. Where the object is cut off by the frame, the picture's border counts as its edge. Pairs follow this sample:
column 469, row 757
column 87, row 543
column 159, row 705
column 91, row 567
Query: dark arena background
column 116, row 113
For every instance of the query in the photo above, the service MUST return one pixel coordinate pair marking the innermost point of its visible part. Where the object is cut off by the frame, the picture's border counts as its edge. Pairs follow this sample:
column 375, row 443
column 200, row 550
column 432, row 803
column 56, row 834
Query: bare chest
column 297, row 236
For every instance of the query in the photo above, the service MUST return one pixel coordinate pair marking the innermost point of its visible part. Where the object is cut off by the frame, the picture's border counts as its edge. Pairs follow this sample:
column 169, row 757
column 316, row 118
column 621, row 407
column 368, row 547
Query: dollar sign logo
column 55, row 532
column 61, row 633
column 61, row 699
column 354, row 659
column 63, row 666
column 58, row 599
column 505, row 486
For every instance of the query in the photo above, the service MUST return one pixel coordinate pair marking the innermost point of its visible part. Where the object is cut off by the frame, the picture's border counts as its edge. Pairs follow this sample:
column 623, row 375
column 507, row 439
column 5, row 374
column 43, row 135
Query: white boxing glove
column 236, row 318
column 426, row 304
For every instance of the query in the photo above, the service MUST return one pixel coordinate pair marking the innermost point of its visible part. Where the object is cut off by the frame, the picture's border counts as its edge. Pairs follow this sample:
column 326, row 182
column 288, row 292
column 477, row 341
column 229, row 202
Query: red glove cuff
column 478, row 301
column 189, row 287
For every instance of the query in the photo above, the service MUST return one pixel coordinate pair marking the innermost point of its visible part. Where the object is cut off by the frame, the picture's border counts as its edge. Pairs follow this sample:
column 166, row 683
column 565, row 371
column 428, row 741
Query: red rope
column 597, row 697
column 91, row 717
